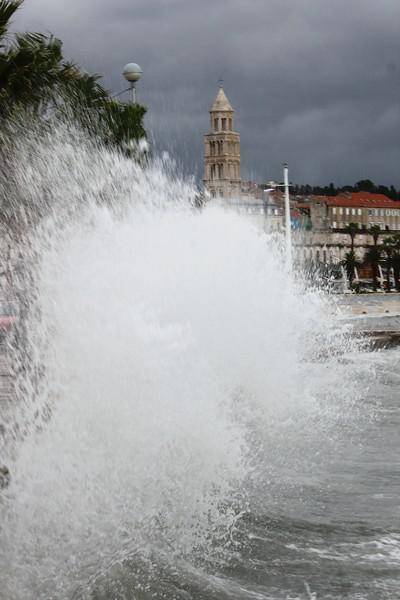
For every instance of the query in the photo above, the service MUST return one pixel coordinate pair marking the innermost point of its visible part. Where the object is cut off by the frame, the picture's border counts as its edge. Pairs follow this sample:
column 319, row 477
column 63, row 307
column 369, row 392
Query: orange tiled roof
column 358, row 199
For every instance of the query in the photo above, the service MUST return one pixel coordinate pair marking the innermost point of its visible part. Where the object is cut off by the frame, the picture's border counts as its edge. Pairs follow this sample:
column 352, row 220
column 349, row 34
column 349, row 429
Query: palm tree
column 373, row 257
column 35, row 76
column 7, row 10
column 375, row 231
column 373, row 254
column 388, row 250
column 350, row 261
column 37, row 83
column 396, row 259
column 352, row 229
column 391, row 247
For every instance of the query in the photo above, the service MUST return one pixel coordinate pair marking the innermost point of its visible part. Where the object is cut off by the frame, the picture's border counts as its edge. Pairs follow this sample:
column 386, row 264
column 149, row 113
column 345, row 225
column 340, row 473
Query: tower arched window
column 220, row 171
column 223, row 124
column 230, row 124
column 216, row 124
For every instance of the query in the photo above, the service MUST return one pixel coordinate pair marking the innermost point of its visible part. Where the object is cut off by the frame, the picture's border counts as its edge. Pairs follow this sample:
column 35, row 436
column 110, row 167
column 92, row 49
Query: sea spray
column 167, row 373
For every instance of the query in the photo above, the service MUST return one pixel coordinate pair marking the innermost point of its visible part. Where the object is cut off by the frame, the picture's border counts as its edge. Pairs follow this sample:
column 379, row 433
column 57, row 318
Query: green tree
column 373, row 254
column 392, row 250
column 365, row 185
column 352, row 229
column 34, row 76
column 388, row 251
column 350, row 263
column 373, row 257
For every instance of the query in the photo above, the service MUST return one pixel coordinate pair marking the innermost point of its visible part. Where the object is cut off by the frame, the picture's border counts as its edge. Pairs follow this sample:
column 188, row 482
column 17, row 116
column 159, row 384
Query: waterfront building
column 334, row 213
column 322, row 236
column 318, row 222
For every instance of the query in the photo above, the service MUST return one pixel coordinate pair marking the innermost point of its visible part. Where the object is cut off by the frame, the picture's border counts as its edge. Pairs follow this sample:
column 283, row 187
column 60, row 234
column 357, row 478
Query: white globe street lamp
column 132, row 73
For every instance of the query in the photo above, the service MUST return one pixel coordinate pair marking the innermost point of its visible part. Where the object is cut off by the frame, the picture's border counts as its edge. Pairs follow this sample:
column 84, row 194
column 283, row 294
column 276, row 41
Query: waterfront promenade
column 377, row 316
column 370, row 304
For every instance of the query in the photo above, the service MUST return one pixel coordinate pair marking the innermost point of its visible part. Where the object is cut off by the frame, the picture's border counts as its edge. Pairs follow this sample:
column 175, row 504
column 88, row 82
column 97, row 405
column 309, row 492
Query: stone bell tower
column 222, row 151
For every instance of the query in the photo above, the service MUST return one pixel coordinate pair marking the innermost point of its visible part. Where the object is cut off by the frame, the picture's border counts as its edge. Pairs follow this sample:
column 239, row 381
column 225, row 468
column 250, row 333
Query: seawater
column 191, row 420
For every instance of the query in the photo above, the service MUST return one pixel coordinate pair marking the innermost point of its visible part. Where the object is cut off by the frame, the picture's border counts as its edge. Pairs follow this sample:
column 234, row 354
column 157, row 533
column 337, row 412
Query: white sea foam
column 172, row 365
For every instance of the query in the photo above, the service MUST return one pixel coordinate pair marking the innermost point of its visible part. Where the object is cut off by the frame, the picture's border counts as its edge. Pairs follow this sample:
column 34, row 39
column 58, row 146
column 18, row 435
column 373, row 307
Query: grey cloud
column 313, row 82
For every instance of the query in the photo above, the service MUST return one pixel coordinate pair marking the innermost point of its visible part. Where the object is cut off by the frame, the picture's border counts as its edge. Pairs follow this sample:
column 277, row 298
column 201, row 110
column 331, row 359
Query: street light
column 288, row 227
column 132, row 73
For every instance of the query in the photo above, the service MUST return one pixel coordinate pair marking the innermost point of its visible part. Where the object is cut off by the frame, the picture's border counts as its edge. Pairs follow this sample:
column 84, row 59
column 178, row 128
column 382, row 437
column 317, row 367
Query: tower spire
column 221, row 102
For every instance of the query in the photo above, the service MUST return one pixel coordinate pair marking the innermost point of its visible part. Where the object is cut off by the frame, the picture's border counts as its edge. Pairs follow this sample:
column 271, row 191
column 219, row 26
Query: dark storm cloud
column 314, row 82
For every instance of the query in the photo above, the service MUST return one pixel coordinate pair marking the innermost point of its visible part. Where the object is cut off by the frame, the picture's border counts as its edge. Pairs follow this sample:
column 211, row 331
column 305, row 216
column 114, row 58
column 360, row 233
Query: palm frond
column 7, row 10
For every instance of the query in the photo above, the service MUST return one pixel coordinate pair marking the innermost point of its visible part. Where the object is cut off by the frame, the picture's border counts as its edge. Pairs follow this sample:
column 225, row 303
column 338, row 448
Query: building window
column 340, row 211
column 216, row 124
column 347, row 211
column 230, row 125
column 353, row 211
column 359, row 211
column 334, row 210
column 334, row 225
column 223, row 124
column 220, row 171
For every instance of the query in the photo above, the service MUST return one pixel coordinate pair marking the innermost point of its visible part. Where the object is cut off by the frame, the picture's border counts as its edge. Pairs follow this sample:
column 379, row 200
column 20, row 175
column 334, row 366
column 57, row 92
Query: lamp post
column 132, row 73
column 288, row 226
column 287, row 217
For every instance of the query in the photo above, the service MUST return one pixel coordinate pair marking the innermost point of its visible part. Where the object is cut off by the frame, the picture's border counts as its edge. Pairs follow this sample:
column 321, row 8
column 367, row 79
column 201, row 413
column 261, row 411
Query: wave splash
column 173, row 382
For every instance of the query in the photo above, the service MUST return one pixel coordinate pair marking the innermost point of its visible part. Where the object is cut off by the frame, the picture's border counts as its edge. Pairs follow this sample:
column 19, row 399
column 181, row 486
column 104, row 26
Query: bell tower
column 222, row 151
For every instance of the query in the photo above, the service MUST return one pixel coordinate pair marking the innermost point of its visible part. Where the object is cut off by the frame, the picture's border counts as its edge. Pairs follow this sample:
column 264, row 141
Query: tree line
column 386, row 253
column 364, row 185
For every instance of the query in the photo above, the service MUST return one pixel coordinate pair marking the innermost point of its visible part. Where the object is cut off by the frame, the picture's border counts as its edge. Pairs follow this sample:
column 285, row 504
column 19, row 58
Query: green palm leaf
column 7, row 10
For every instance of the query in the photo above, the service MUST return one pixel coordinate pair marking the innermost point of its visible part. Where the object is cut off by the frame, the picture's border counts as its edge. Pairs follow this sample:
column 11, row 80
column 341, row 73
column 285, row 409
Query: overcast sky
column 313, row 82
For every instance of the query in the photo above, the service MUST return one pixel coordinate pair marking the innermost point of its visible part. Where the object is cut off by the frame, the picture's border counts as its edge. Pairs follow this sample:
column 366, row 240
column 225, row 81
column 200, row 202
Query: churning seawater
column 190, row 422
